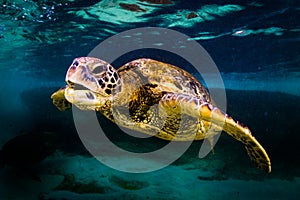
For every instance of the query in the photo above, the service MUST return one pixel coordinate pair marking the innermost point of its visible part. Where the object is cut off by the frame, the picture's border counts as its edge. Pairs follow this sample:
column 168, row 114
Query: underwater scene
column 148, row 58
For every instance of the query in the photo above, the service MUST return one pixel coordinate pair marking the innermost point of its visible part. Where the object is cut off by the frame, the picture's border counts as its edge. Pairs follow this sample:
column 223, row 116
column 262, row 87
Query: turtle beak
column 76, row 86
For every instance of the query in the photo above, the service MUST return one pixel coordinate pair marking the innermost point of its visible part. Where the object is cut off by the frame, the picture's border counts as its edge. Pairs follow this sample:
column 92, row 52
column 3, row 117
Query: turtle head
column 93, row 74
column 91, row 82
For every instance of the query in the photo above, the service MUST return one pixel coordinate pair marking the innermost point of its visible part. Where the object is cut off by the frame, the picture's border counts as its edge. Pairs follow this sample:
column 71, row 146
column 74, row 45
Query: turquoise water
column 254, row 44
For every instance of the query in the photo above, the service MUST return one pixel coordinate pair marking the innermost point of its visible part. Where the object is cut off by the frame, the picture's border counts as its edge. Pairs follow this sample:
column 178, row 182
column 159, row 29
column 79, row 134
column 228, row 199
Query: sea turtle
column 152, row 97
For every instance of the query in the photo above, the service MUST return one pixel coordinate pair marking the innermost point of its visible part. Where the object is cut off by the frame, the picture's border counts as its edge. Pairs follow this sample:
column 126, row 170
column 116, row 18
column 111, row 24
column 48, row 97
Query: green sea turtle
column 152, row 97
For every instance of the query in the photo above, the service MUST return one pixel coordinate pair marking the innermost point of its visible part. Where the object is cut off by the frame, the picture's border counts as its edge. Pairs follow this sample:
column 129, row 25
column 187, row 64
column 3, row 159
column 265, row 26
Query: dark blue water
column 254, row 44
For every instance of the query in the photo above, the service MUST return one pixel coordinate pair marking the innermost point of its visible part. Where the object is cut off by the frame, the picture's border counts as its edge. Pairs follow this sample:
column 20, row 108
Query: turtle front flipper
column 204, row 111
column 256, row 152
column 59, row 100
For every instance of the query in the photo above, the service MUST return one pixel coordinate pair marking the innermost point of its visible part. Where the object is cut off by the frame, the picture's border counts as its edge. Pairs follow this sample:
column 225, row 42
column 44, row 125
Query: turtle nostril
column 73, row 67
column 75, row 64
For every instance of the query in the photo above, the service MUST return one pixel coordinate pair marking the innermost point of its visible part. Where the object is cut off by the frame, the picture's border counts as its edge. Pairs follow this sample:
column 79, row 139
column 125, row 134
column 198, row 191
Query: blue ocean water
column 254, row 44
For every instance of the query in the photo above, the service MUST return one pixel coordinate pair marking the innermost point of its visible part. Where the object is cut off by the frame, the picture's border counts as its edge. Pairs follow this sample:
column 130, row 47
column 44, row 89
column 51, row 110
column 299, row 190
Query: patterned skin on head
column 93, row 74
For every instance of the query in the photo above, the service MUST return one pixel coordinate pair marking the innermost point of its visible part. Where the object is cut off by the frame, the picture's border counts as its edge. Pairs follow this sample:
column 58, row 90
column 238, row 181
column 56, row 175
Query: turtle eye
column 97, row 70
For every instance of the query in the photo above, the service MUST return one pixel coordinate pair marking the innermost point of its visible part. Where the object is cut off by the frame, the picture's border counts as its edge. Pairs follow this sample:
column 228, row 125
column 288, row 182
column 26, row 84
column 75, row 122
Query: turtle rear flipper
column 202, row 110
column 59, row 100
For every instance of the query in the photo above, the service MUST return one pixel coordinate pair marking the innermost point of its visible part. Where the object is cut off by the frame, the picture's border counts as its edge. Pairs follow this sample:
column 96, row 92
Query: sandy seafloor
column 227, row 173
